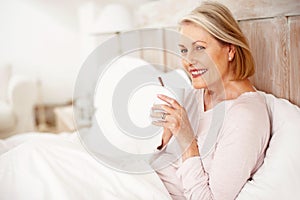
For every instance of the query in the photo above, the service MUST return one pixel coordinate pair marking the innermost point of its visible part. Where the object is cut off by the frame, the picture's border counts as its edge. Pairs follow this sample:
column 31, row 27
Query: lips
column 197, row 72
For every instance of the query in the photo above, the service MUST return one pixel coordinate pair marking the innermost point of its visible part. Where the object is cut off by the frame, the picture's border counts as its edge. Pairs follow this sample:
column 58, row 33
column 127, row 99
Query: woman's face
column 204, row 58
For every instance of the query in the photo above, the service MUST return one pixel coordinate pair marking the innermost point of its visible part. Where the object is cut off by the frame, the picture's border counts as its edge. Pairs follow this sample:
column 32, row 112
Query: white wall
column 41, row 41
column 44, row 39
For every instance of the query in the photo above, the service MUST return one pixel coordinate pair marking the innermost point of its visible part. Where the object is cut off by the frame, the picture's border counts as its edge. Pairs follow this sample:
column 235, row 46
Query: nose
column 187, row 64
column 189, row 60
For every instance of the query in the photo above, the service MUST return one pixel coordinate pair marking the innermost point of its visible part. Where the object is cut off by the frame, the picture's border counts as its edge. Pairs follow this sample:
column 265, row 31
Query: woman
column 219, row 62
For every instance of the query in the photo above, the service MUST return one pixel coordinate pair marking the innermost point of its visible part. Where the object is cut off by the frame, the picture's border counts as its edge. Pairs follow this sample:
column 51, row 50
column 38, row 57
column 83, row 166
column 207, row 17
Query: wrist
column 191, row 151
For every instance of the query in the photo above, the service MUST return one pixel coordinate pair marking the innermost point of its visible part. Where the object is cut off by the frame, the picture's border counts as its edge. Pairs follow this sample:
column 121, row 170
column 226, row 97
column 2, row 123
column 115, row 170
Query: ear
column 231, row 52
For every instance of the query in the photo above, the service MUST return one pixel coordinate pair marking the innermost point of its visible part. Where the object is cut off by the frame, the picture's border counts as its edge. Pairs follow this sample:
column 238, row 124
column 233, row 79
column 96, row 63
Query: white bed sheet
column 47, row 166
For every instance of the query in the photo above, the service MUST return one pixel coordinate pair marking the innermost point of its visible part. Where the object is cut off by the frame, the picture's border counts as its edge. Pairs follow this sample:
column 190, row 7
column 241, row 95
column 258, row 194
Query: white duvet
column 47, row 166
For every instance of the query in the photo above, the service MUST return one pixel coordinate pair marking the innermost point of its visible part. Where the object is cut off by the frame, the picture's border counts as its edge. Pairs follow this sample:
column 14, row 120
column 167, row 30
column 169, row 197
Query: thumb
column 167, row 134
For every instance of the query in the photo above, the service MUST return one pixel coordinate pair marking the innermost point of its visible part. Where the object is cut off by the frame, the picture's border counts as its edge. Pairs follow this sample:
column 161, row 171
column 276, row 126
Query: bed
column 60, row 168
column 49, row 166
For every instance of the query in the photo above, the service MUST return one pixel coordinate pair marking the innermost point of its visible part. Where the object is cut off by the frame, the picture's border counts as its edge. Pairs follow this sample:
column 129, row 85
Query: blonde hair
column 217, row 19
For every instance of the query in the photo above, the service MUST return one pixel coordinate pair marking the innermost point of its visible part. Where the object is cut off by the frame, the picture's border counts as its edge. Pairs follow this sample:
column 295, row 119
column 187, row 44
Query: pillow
column 279, row 176
column 5, row 73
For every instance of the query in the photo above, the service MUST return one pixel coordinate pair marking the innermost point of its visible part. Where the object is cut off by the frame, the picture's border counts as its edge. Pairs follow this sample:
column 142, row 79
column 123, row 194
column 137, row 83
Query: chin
column 199, row 84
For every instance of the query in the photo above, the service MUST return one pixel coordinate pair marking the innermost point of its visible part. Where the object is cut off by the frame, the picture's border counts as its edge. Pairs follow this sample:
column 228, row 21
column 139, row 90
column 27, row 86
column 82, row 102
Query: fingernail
column 160, row 146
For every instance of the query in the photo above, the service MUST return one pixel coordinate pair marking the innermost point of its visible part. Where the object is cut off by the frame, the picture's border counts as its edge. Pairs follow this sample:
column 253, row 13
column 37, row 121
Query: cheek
column 223, row 64
column 185, row 64
column 220, row 60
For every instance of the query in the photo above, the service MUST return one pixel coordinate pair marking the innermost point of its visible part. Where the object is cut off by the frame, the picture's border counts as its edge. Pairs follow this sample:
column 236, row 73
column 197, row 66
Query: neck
column 222, row 91
column 216, row 91
column 213, row 95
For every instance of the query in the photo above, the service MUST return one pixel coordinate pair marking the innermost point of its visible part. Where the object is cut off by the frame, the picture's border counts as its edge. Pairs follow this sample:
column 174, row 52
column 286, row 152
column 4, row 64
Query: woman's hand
column 173, row 117
column 167, row 135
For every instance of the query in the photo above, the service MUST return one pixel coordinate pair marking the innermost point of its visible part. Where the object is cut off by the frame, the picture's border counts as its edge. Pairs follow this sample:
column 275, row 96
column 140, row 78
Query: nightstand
column 64, row 118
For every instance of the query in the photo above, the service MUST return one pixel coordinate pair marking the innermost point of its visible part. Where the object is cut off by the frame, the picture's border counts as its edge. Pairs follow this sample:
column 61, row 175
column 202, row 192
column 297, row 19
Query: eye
column 183, row 51
column 199, row 47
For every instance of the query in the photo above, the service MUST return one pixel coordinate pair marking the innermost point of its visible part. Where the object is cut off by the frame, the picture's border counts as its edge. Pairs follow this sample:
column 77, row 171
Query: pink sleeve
column 239, row 151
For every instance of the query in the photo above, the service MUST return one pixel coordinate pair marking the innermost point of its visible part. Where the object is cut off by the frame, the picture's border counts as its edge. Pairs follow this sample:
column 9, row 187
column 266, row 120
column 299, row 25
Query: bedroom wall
column 42, row 42
column 42, row 39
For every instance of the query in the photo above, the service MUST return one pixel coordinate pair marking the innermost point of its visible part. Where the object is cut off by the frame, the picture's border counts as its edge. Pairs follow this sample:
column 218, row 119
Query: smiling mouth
column 197, row 72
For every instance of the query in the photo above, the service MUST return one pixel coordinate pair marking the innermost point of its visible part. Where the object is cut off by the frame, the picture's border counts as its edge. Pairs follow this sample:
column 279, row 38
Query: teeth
column 200, row 71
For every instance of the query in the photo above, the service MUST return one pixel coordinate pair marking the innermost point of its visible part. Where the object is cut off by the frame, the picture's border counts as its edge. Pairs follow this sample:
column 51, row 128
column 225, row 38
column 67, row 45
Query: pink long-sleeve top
column 241, row 130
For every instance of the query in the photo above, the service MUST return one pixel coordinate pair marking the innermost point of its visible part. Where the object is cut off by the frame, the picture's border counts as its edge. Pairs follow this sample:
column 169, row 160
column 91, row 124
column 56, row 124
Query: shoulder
column 246, row 122
column 248, row 113
column 248, row 104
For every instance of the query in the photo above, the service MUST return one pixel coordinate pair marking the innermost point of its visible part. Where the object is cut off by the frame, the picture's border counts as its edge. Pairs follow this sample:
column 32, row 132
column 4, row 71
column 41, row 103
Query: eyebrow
column 181, row 45
column 199, row 41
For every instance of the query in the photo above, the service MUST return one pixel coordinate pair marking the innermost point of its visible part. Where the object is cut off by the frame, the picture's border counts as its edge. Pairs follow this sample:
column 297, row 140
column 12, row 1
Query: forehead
column 191, row 32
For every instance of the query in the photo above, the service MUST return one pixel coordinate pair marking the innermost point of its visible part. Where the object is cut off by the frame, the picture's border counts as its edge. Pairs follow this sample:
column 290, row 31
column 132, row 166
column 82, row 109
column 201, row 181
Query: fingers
column 160, row 112
column 169, row 100
column 165, row 138
column 159, row 123
column 165, row 124
column 162, row 107
column 158, row 115
column 167, row 115
column 163, row 116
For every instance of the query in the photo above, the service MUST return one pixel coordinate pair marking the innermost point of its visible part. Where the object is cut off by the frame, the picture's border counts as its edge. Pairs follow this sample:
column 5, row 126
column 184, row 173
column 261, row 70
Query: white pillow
column 279, row 176
column 5, row 73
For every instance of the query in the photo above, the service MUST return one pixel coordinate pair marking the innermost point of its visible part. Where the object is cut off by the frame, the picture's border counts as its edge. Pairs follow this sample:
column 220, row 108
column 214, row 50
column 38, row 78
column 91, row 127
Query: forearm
column 194, row 179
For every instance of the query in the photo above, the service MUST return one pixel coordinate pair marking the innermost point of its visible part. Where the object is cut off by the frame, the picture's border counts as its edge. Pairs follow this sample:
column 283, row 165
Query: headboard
column 273, row 30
